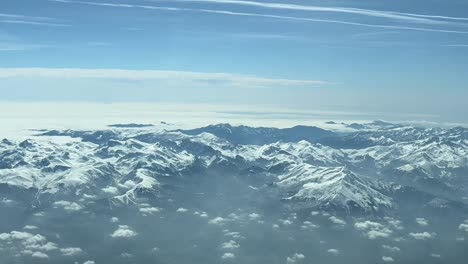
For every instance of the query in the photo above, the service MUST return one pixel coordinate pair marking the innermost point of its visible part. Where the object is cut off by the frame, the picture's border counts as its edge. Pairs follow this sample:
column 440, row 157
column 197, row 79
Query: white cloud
column 179, row 77
column 217, row 221
column 422, row 236
column 373, row 230
column 29, row 227
column 435, row 255
column 228, row 256
column 123, row 231
column 204, row 215
column 337, row 221
column 126, row 255
column 181, row 210
column 89, row 262
column 395, row 223
column 149, row 210
column 367, row 225
column 230, row 245
column 422, row 221
column 295, row 258
column 114, row 219
column 390, row 248
column 71, row 251
column 254, row 216
column 387, row 259
column 110, row 190
column 402, row 17
column 399, row 16
column 464, row 226
column 333, row 251
column 380, row 233
column 309, row 225
column 27, row 243
column 40, row 255
column 34, row 23
column 68, row 206
column 235, row 235
column 285, row 222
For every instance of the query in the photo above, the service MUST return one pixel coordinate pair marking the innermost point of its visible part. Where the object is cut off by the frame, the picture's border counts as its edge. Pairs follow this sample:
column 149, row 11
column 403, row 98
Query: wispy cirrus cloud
column 291, row 18
column 456, row 45
column 227, row 79
column 30, row 20
column 34, row 23
column 406, row 17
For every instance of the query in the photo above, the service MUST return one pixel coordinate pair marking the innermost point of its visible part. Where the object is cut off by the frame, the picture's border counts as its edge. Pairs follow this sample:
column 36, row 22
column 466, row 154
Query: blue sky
column 367, row 55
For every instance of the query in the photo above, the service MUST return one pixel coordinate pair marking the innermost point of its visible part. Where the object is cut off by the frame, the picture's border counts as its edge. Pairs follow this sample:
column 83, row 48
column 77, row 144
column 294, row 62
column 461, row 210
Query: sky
column 368, row 56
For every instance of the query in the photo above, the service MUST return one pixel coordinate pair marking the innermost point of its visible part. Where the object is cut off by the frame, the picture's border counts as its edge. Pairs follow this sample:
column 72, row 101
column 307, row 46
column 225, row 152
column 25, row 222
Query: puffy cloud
column 333, row 251
column 28, row 243
column 464, row 226
column 126, row 255
column 254, row 216
column 435, row 255
column 204, row 215
column 422, row 221
column 337, row 221
column 387, row 259
column 149, row 210
column 295, row 258
column 395, row 223
column 367, row 225
column 422, row 236
column 89, row 262
column 230, row 245
column 110, row 190
column 390, row 248
column 40, row 255
column 217, row 221
column 373, row 230
column 285, row 222
column 181, row 210
column 235, row 235
column 309, row 225
column 7, row 202
column 228, row 256
column 29, row 227
column 114, row 219
column 71, row 251
column 124, row 231
column 68, row 206
column 381, row 233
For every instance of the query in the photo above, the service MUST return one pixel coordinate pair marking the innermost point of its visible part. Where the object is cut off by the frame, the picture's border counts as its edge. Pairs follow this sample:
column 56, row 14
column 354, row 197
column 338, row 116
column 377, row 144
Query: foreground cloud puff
column 68, row 206
column 387, row 259
column 295, row 258
column 422, row 236
column 464, row 226
column 228, row 256
column 422, row 221
column 124, row 231
column 373, row 230
column 71, row 251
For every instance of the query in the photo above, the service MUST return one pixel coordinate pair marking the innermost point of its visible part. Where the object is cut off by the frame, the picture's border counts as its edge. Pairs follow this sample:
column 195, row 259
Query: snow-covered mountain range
column 376, row 169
